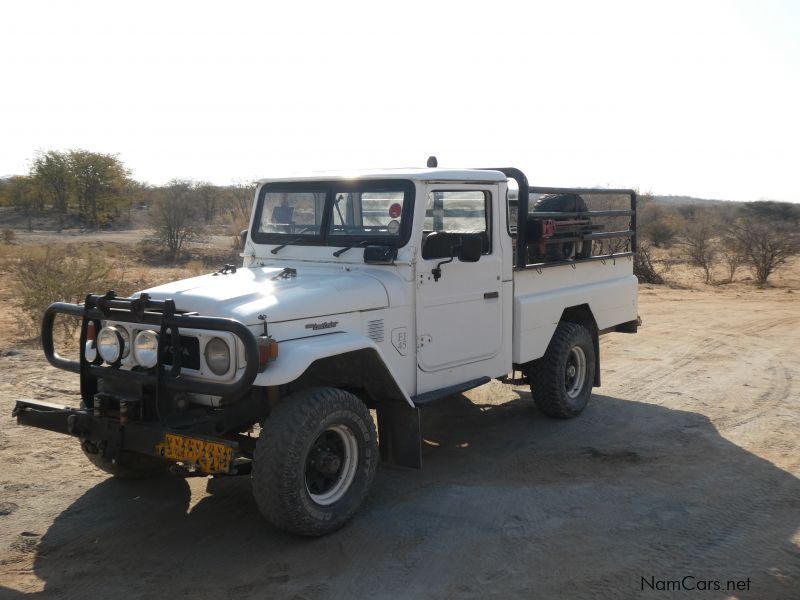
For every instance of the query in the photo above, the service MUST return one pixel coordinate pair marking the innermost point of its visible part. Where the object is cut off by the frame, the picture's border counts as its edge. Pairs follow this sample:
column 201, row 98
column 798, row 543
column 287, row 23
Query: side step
column 428, row 397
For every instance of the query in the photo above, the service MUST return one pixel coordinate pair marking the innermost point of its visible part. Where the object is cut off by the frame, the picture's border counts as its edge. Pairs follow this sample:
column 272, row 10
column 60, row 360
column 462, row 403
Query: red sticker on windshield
column 395, row 210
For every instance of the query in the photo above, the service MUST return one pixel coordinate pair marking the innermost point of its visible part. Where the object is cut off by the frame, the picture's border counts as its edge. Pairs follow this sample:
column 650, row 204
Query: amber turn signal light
column 267, row 350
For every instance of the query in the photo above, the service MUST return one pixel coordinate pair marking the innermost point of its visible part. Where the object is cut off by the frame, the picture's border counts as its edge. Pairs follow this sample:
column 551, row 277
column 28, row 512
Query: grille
column 375, row 330
column 190, row 359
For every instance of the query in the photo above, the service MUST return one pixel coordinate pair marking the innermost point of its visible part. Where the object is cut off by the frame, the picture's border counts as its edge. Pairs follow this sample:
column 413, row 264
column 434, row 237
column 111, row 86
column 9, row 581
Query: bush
column 175, row 218
column 697, row 241
column 54, row 274
column 643, row 266
column 657, row 224
column 9, row 235
column 765, row 245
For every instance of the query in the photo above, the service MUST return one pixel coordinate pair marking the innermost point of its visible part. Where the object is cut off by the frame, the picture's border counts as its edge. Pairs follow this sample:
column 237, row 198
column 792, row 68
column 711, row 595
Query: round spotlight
column 110, row 344
column 145, row 349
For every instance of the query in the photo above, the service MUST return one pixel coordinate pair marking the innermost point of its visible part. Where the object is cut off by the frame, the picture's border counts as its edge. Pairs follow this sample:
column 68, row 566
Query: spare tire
column 565, row 203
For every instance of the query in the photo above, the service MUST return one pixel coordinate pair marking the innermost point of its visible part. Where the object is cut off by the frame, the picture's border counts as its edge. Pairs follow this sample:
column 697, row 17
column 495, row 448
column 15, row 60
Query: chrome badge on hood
column 323, row 325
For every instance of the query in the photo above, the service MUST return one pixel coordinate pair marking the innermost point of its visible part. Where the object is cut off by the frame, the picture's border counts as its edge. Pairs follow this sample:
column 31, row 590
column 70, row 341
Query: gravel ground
column 685, row 463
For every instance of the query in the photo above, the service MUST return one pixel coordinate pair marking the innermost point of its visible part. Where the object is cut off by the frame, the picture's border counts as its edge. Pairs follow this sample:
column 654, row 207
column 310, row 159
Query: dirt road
column 685, row 463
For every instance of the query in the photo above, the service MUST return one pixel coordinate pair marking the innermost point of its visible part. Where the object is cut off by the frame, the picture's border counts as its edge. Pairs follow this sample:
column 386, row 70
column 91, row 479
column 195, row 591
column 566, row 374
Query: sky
column 697, row 97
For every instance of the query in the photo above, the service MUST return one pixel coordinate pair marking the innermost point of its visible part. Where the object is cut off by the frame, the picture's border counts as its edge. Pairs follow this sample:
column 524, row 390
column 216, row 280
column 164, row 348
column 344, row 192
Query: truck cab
column 374, row 291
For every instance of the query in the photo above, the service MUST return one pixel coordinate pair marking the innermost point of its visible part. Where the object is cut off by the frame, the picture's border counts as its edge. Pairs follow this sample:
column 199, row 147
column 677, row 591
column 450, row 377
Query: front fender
column 296, row 356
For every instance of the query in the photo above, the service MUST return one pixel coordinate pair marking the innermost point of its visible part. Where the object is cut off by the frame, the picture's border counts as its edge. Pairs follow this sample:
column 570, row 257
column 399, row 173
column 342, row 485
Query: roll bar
column 523, row 214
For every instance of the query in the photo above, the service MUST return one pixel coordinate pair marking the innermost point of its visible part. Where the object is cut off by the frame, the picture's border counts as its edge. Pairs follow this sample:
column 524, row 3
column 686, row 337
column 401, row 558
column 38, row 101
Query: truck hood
column 250, row 292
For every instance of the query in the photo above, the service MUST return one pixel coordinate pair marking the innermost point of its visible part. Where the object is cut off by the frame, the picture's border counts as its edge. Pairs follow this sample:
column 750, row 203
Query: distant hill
column 687, row 200
column 765, row 209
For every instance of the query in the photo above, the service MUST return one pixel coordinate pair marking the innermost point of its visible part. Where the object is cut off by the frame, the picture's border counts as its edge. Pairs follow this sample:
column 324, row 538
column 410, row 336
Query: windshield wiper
column 277, row 249
column 346, row 248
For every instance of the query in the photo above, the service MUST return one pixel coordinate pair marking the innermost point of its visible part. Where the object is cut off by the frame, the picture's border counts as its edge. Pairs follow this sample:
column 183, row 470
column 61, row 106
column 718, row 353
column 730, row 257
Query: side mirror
column 242, row 239
column 471, row 247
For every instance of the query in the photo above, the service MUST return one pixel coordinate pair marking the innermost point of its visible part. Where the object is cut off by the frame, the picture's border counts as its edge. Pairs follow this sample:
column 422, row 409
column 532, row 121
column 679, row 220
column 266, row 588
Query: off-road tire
column 130, row 465
column 549, row 376
column 280, row 468
column 565, row 203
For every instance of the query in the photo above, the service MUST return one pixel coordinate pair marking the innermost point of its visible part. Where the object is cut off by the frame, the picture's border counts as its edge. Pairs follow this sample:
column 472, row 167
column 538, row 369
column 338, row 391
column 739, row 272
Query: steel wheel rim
column 575, row 372
column 331, row 465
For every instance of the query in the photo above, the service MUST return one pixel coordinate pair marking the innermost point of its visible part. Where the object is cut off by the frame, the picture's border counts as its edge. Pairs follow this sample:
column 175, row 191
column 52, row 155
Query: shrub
column 697, row 241
column 175, row 218
column 643, row 266
column 55, row 274
column 766, row 246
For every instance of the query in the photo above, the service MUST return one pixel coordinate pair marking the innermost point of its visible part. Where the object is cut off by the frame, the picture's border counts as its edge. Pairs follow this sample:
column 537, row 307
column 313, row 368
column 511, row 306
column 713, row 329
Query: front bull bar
column 158, row 314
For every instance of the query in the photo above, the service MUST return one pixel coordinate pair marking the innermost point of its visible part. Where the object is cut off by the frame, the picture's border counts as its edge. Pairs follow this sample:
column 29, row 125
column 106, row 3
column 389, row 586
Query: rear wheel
column 561, row 381
column 314, row 461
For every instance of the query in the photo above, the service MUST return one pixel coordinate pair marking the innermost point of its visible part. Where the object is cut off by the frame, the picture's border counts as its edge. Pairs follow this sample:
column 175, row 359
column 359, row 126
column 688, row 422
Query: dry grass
column 36, row 276
column 38, row 270
column 673, row 268
column 60, row 273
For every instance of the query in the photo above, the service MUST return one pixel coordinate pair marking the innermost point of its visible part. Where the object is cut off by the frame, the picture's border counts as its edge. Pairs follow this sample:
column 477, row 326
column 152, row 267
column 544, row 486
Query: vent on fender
column 375, row 330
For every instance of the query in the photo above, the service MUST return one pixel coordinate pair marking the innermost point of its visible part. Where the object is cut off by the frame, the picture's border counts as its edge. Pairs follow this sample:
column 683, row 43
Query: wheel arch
column 581, row 314
column 334, row 360
column 363, row 368
column 399, row 433
column 356, row 364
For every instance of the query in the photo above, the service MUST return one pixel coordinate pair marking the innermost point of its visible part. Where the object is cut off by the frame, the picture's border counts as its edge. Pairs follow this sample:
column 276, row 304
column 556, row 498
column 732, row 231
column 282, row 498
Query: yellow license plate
column 209, row 457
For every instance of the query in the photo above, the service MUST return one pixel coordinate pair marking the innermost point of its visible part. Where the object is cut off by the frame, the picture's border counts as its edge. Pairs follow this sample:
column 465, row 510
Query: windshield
column 292, row 212
column 336, row 213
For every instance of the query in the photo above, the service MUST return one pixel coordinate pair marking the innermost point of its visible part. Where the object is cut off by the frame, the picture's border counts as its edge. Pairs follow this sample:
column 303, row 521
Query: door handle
column 490, row 295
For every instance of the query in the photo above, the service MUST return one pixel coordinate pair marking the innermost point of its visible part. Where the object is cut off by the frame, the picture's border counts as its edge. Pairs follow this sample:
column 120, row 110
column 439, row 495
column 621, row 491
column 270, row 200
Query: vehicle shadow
column 508, row 504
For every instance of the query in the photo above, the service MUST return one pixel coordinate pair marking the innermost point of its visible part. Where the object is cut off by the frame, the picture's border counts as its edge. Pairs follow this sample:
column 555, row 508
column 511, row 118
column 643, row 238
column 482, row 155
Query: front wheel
column 314, row 461
column 561, row 381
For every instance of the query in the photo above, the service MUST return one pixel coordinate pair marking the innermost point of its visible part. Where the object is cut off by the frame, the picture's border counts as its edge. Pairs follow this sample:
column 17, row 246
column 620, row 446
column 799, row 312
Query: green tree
column 23, row 195
column 771, row 210
column 52, row 172
column 99, row 180
column 5, row 191
column 207, row 197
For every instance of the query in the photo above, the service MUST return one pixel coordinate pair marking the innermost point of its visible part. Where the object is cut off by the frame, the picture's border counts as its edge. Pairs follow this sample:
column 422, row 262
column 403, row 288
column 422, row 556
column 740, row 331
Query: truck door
column 460, row 316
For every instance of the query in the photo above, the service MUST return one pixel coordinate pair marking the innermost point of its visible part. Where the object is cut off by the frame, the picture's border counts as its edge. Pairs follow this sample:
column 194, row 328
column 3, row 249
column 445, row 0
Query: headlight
column 218, row 356
column 112, row 343
column 145, row 348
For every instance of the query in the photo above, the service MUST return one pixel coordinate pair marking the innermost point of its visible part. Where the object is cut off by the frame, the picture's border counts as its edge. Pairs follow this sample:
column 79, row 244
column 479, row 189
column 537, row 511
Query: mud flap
column 399, row 434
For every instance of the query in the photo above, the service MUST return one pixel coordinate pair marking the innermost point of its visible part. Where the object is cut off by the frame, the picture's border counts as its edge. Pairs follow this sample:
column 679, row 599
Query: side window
column 453, row 211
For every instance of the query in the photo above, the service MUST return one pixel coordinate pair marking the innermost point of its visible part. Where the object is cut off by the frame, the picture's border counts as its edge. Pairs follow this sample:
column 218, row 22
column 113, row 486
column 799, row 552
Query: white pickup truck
column 382, row 290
